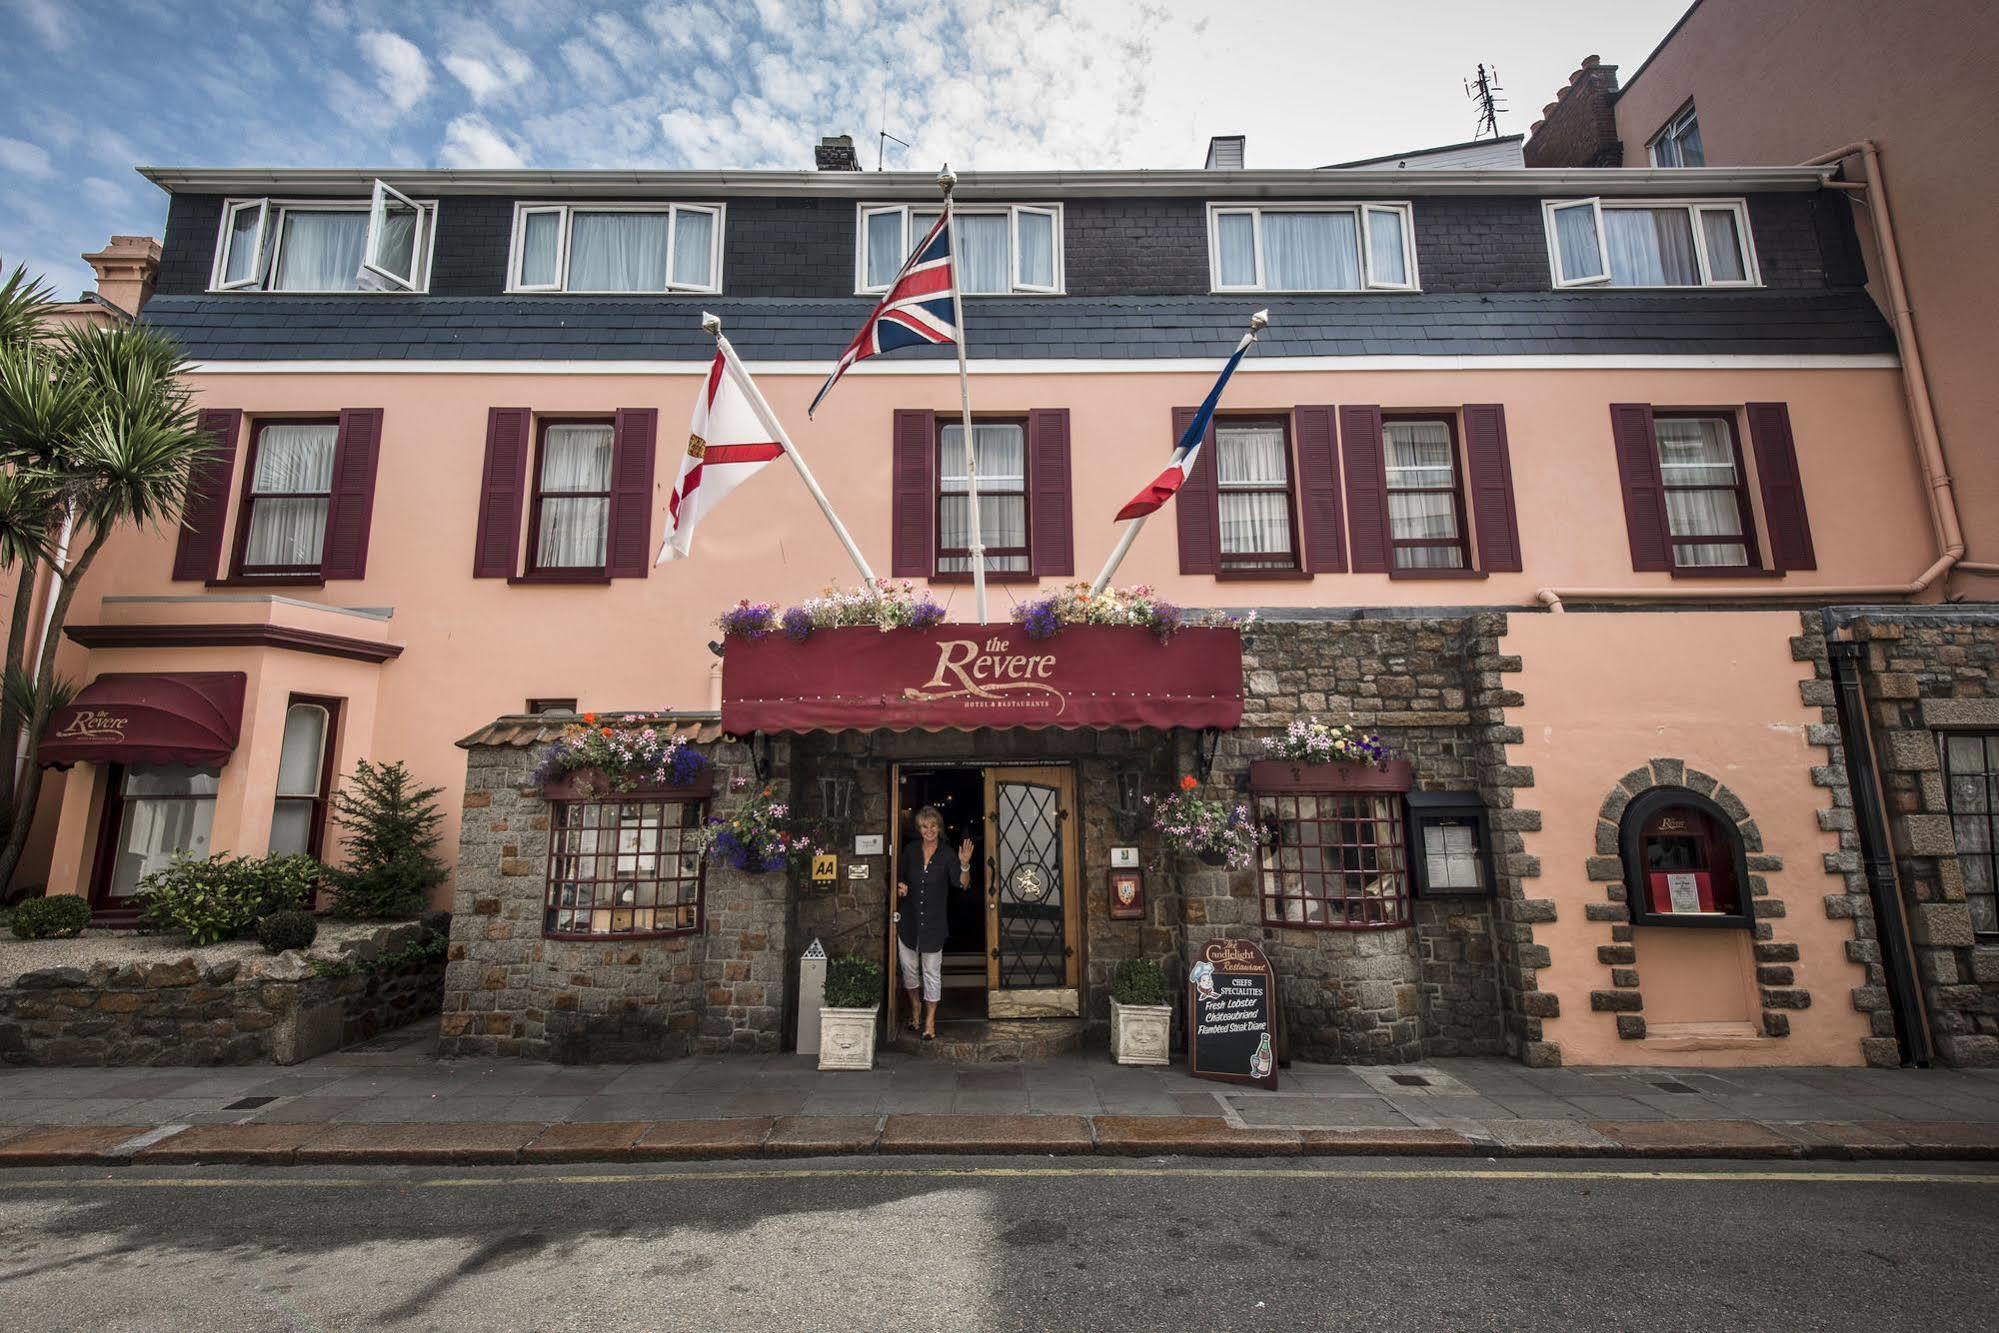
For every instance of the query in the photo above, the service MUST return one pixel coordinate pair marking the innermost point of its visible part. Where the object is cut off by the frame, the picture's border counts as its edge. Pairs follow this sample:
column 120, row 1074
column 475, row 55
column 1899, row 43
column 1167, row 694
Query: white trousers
column 932, row 967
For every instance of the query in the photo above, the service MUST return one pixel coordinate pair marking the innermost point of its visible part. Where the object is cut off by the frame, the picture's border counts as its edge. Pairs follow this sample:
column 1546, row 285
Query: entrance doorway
column 1015, row 936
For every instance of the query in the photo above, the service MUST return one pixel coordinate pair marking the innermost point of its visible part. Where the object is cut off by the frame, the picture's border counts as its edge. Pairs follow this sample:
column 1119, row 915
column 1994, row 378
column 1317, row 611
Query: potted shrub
column 1312, row 756
column 1141, row 1019
column 847, row 1019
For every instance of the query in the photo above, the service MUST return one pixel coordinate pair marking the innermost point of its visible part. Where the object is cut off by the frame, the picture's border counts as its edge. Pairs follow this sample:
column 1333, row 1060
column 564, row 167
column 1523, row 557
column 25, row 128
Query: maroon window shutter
column 1783, row 490
column 1367, row 487
column 207, row 507
column 350, row 510
column 1644, row 490
column 1319, row 491
column 913, row 495
column 502, row 489
column 1489, row 474
column 1053, row 543
column 628, row 535
column 1195, row 510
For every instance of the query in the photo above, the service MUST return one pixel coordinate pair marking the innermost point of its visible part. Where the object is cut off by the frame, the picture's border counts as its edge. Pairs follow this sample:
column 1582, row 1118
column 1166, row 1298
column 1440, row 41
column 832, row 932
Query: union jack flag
column 916, row 309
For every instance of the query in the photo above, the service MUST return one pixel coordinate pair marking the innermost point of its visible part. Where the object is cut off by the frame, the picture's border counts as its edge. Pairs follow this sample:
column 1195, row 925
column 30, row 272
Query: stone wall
column 509, row 991
column 187, row 1012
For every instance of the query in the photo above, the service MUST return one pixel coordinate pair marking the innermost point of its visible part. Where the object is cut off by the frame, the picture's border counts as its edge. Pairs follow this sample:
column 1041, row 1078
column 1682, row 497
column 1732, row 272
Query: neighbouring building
column 1567, row 521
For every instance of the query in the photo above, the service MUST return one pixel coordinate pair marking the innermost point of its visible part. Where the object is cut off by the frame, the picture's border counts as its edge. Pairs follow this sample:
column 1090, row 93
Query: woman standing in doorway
column 927, row 871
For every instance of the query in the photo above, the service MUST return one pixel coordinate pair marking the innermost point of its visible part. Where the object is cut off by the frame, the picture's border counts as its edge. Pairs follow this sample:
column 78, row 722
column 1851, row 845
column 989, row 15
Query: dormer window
column 1651, row 243
column 1311, row 248
column 294, row 245
column 1005, row 249
column 616, row 249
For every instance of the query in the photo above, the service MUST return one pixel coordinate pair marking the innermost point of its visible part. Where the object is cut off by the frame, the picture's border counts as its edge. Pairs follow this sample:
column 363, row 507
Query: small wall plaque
column 867, row 844
column 857, row 870
column 825, row 868
column 1124, row 858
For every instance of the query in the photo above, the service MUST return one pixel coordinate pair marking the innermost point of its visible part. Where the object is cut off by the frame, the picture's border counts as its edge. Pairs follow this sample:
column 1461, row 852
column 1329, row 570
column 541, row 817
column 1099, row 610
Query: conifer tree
column 391, row 825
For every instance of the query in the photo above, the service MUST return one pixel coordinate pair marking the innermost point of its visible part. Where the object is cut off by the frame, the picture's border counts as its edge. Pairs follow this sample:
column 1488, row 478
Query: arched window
column 1683, row 861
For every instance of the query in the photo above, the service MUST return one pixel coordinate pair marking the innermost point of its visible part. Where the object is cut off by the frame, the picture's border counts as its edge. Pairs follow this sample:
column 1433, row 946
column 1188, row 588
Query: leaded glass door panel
column 1033, row 893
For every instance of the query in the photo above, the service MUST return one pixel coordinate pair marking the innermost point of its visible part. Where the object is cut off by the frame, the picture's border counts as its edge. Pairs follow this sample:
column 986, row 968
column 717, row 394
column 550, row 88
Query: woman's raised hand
column 965, row 852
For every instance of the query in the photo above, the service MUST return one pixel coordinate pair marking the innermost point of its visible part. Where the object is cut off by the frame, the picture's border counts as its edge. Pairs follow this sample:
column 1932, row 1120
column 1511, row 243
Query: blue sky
column 89, row 89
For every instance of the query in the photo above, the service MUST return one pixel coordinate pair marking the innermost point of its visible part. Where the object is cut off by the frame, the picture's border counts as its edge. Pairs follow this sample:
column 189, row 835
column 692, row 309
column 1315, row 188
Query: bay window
column 1002, row 459
column 1650, row 243
column 1426, row 517
column 305, row 770
column 571, row 515
column 153, row 813
column 613, row 249
column 282, row 530
column 1311, row 248
column 623, row 868
column 1708, row 515
column 1003, row 249
column 289, row 245
column 1253, row 495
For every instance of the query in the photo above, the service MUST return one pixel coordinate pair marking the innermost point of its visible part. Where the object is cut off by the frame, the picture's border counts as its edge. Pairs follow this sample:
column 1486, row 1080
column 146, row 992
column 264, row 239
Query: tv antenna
column 883, row 137
column 1484, row 92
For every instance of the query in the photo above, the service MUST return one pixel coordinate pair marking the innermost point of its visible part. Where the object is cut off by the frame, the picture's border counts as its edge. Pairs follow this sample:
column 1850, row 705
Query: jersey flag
column 726, row 446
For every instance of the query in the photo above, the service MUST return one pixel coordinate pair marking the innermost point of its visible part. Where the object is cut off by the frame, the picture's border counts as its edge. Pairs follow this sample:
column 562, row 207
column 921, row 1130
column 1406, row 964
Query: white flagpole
column 713, row 324
column 946, row 181
column 1257, row 323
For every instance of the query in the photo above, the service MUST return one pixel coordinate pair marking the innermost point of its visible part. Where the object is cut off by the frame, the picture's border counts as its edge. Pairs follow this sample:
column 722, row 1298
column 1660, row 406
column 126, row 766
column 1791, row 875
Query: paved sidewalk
column 393, row 1100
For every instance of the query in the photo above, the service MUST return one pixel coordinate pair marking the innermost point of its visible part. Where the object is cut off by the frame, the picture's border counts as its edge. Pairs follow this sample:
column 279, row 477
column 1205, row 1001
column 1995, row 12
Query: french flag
column 1187, row 449
column 915, row 311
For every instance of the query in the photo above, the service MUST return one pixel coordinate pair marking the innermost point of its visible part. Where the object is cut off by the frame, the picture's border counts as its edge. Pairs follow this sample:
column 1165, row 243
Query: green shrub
column 852, row 983
column 289, row 929
column 1138, row 981
column 391, row 826
column 225, row 896
column 59, row 918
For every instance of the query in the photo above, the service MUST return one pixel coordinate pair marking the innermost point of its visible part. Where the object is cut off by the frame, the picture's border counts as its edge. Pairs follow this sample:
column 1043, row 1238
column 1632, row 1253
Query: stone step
column 998, row 1041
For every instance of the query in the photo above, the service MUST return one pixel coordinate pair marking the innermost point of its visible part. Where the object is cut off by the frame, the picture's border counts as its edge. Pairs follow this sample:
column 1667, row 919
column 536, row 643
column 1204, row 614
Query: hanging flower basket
column 759, row 836
column 1218, row 832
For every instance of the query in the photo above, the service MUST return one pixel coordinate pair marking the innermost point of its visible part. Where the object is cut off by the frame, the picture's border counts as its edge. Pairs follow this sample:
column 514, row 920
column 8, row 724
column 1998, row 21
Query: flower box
column 1279, row 775
column 1140, row 1033
column 847, row 1038
column 593, row 784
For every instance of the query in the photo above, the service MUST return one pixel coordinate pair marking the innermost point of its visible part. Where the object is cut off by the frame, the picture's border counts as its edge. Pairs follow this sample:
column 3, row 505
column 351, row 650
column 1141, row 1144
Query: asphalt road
column 910, row 1244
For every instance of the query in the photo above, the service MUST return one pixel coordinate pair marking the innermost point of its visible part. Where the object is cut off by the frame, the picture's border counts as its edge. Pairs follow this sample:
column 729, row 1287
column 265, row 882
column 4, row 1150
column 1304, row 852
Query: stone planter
column 1290, row 775
column 1141, row 1033
column 595, row 785
column 847, row 1038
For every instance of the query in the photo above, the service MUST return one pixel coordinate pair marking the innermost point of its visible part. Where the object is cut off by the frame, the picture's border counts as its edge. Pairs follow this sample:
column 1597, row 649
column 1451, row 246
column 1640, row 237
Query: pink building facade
column 1557, row 481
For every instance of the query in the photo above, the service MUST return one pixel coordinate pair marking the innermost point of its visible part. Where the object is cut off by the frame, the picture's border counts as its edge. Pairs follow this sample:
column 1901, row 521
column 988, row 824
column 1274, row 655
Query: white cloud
column 107, row 195
column 469, row 141
column 589, row 67
column 18, row 155
column 49, row 22
column 401, row 72
column 484, row 63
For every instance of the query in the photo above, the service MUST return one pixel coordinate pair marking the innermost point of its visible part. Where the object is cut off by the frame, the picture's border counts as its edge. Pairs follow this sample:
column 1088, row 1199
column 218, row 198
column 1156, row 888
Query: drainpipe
column 1922, row 419
column 1877, row 857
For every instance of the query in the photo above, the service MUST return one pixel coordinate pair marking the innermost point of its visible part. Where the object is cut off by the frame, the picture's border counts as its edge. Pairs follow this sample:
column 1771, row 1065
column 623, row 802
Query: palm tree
column 97, row 432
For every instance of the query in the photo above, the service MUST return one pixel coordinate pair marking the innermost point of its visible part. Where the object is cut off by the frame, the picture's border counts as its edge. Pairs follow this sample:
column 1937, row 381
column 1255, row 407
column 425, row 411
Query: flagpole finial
column 947, row 180
column 1259, row 321
column 711, row 324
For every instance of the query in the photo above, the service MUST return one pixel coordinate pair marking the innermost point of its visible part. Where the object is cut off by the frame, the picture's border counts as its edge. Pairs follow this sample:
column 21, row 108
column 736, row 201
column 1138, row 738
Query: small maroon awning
column 967, row 676
column 188, row 717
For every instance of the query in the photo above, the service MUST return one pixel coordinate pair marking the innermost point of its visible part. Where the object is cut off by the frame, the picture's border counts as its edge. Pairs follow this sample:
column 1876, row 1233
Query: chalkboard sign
column 1231, row 1014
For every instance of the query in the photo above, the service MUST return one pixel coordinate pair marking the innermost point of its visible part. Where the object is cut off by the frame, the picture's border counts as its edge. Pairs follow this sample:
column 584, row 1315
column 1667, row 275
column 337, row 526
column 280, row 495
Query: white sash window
column 1003, row 249
column 616, row 249
column 1311, row 248
column 1650, row 243
column 382, row 244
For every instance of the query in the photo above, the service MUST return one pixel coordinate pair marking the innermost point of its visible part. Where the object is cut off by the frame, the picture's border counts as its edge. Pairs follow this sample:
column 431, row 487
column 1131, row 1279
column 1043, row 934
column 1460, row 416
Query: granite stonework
column 185, row 1011
column 1928, row 673
column 510, row 992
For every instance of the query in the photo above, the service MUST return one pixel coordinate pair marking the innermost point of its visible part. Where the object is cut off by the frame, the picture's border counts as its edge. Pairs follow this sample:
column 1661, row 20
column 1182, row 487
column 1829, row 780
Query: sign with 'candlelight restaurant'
column 967, row 676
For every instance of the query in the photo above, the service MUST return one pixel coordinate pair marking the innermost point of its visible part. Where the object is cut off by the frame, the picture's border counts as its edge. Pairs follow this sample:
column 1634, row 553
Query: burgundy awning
column 966, row 676
column 188, row 717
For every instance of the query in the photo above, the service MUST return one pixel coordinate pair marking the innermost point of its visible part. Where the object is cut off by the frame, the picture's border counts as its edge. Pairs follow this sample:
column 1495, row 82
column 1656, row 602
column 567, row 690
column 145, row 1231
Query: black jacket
column 922, row 924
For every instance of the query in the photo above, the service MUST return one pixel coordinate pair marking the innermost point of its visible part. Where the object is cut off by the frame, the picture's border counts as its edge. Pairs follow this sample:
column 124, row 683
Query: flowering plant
column 1219, row 831
column 628, row 749
column 1313, row 742
column 748, row 620
column 756, row 836
column 1137, row 607
column 881, row 604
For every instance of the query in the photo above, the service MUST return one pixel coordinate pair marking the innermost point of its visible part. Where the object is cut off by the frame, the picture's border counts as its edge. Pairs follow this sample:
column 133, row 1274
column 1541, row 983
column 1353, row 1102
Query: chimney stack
column 126, row 270
column 836, row 153
column 1579, row 128
column 1225, row 152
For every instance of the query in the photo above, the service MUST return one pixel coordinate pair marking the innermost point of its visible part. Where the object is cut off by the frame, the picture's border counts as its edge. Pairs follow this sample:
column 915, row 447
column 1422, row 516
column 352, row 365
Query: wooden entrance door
column 1034, row 894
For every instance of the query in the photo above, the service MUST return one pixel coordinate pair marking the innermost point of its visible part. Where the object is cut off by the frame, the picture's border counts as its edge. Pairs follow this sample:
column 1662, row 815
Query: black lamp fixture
column 836, row 801
column 760, row 755
column 1206, row 746
column 1128, row 815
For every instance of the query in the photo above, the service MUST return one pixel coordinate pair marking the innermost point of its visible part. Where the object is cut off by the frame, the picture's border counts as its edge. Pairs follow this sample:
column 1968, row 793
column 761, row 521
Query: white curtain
column 886, row 249
column 1002, row 496
column 396, row 250
column 290, row 532
column 983, row 265
column 693, row 247
column 168, row 809
column 1235, row 249
column 572, row 531
column 1311, row 252
column 1724, row 245
column 1384, row 248
column 1651, row 247
column 1576, row 239
column 321, row 252
column 1037, row 248
column 541, row 249
column 617, row 252
column 300, row 760
column 1422, row 504
column 1699, row 452
column 1258, row 521
column 243, row 256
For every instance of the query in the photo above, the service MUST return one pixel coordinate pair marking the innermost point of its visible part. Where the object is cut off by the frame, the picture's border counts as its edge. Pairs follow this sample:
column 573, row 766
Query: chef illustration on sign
column 925, row 874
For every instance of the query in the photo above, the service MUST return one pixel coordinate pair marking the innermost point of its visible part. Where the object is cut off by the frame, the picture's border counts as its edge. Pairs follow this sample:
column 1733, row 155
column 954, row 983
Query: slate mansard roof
column 1137, row 282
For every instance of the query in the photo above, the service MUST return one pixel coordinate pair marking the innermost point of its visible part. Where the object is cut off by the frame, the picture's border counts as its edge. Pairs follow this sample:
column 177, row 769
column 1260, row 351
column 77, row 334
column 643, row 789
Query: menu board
column 1231, row 1014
